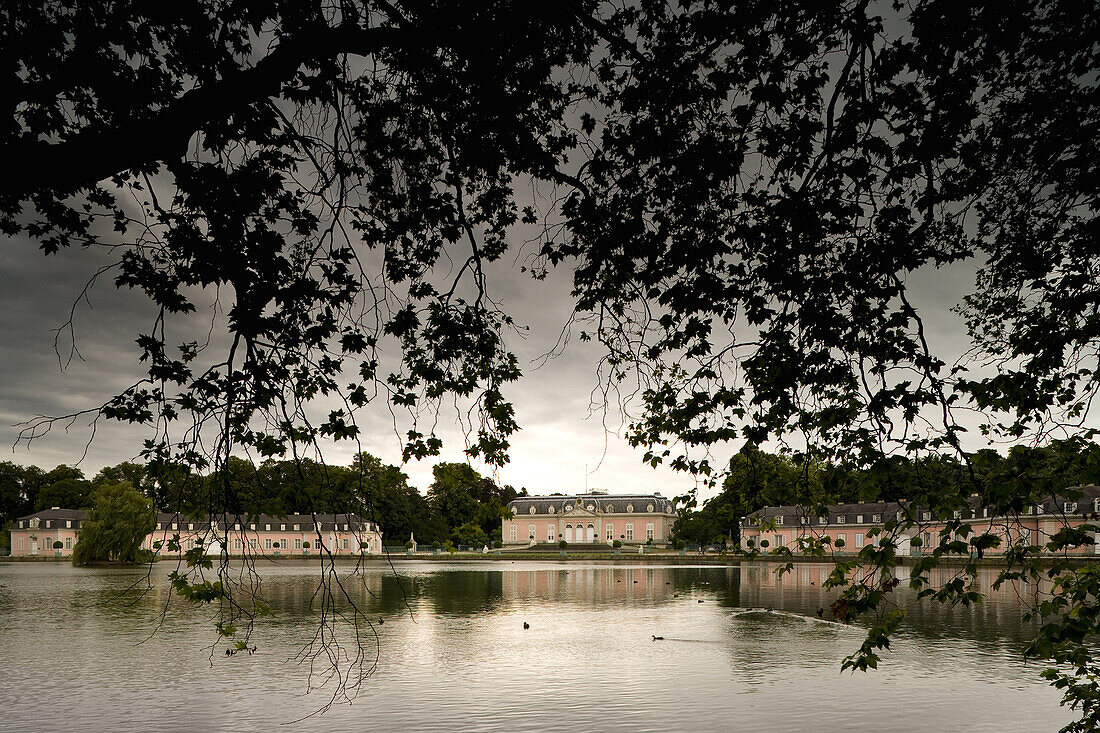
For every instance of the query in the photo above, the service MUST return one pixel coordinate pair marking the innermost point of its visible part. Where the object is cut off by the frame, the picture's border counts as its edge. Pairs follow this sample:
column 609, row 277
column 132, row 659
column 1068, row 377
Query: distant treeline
column 1025, row 474
column 461, row 506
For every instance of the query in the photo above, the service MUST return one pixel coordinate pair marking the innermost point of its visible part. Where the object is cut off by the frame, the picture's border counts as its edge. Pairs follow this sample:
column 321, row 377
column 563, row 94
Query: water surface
column 80, row 654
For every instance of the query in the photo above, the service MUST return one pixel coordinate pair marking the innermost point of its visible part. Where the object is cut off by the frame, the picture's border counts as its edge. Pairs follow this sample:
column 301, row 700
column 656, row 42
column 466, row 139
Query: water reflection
column 453, row 653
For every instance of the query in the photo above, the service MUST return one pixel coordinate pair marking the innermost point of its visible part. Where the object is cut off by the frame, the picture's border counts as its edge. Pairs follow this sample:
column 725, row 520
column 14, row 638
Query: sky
column 563, row 445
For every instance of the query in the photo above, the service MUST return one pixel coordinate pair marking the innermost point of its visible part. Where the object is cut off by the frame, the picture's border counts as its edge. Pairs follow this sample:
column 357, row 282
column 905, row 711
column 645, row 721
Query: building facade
column 595, row 517
column 295, row 534
column 851, row 527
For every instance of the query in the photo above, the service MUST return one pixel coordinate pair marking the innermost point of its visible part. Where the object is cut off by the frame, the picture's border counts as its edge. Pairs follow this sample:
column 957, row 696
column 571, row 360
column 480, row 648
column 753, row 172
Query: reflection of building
column 848, row 528
column 634, row 519
column 294, row 534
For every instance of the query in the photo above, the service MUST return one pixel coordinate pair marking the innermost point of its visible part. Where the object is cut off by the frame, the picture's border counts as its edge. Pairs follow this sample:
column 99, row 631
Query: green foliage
column 562, row 544
column 117, row 524
column 617, row 544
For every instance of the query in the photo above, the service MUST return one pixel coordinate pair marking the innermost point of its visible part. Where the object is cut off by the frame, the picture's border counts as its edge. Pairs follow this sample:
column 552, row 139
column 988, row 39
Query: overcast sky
column 559, row 436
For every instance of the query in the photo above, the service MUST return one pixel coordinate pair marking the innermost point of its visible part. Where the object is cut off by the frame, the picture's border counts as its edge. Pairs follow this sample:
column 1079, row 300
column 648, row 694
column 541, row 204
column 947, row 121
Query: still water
column 80, row 654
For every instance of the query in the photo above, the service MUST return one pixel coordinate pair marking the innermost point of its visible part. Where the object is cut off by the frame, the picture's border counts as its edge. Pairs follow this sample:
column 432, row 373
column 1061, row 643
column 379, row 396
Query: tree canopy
column 741, row 192
column 118, row 522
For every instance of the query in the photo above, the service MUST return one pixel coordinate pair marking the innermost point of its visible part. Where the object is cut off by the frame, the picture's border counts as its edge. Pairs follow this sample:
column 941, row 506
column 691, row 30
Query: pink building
column 294, row 534
column 848, row 526
column 589, row 518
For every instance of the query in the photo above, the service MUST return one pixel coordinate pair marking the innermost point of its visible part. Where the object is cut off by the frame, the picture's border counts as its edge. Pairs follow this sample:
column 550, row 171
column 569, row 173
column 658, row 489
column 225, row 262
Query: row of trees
column 757, row 479
column 461, row 506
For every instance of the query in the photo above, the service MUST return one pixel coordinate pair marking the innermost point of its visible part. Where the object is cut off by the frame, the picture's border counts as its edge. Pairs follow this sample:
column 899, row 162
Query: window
column 236, row 544
column 252, row 543
column 68, row 524
column 48, row 524
column 345, row 526
column 876, row 518
column 956, row 514
column 68, row 543
column 531, row 510
column 267, row 544
column 610, row 531
column 298, row 543
column 343, row 544
column 649, row 530
column 1096, row 505
column 630, row 530
column 1071, row 507
column 779, row 521
column 530, row 531
column 841, row 519
column 550, row 510
column 551, row 533
column 267, row 526
column 282, row 528
column 1030, row 510
column 926, row 516
column 926, row 539
column 803, row 520
column 172, row 526
column 190, row 525
column 630, row 507
column 822, row 520
column 649, row 508
column 20, row 539
column 859, row 519
column 859, row 539
column 512, row 533
column 779, row 540
column 297, row 527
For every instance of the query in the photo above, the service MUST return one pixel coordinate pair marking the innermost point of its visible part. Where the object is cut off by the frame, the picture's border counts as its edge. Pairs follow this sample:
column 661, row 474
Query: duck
column 526, row 625
column 658, row 638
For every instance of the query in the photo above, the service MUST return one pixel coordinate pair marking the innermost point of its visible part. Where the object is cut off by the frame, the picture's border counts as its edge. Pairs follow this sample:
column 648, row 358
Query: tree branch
column 94, row 154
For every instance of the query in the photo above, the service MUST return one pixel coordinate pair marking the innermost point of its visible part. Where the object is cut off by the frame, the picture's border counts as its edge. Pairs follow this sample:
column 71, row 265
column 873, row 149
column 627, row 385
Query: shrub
column 275, row 544
column 840, row 543
column 649, row 541
column 563, row 544
column 364, row 545
column 408, row 545
column 617, row 544
column 437, row 545
column 305, row 545
column 498, row 544
column 680, row 544
column 764, row 543
column 916, row 542
column 751, row 543
column 57, row 544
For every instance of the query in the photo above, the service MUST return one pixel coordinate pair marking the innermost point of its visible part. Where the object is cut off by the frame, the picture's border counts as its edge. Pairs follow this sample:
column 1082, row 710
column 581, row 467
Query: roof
column 599, row 503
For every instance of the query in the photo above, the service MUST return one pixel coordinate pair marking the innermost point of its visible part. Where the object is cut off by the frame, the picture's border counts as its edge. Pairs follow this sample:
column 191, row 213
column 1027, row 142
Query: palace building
column 294, row 534
column 851, row 527
column 589, row 518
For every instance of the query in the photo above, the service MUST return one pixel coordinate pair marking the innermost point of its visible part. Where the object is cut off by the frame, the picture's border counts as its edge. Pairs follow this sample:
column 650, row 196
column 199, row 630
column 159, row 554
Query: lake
column 80, row 653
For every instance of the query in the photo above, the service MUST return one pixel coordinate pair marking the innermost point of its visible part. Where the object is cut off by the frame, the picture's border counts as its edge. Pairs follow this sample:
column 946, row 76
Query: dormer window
column 649, row 508
column 1070, row 507
column 876, row 518
column 803, row 520
column 926, row 516
column 779, row 521
column 550, row 510
column 841, row 519
column 956, row 514
column 1096, row 505
column 68, row 523
column 591, row 508
column 822, row 520
column 1030, row 510
column 531, row 510
column 630, row 507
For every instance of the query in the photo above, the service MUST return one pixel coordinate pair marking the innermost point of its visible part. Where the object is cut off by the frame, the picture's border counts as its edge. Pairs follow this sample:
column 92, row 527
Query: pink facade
column 296, row 534
column 589, row 518
column 848, row 527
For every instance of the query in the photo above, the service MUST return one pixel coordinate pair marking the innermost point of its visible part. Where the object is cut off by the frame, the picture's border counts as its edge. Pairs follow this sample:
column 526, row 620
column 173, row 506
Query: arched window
column 551, row 533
